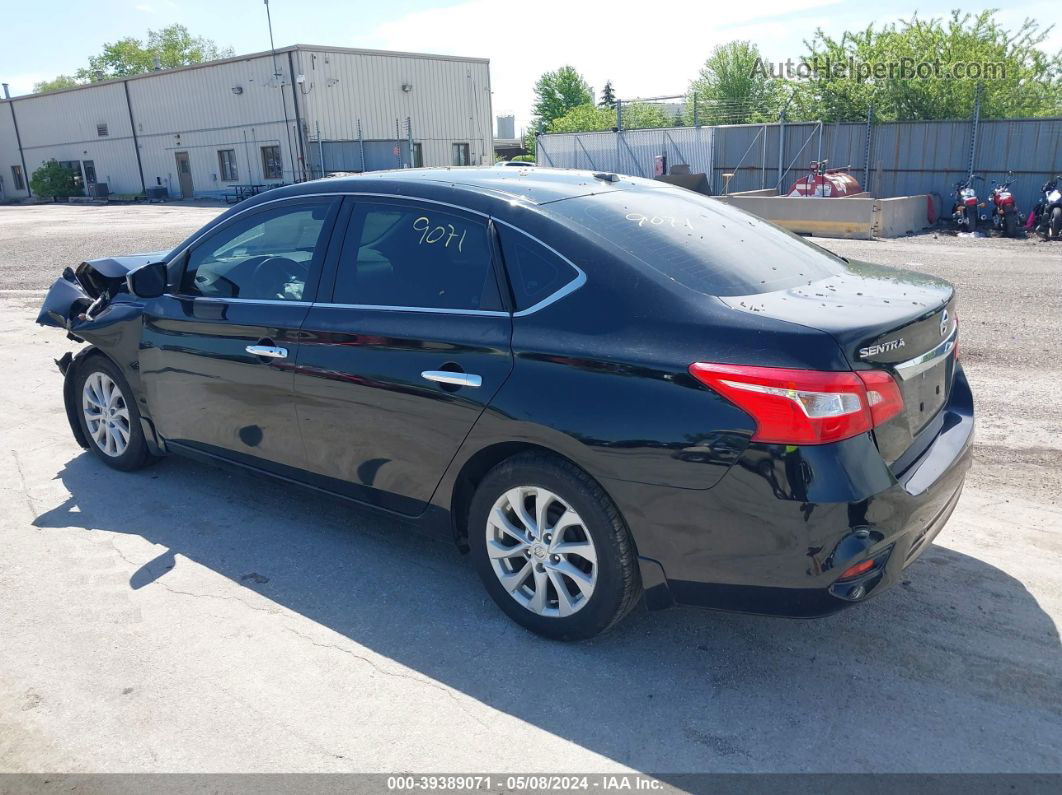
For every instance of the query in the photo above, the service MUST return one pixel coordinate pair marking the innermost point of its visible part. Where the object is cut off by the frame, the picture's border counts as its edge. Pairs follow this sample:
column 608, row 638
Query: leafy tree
column 608, row 96
column 173, row 45
column 523, row 158
column 52, row 181
column 584, row 118
column 60, row 81
column 1017, row 77
column 558, row 92
column 590, row 118
column 730, row 90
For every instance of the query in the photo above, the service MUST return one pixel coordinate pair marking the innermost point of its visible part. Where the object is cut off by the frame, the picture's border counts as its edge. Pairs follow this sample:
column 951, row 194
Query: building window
column 459, row 154
column 418, row 156
column 20, row 181
column 272, row 167
column 227, row 165
column 101, row 130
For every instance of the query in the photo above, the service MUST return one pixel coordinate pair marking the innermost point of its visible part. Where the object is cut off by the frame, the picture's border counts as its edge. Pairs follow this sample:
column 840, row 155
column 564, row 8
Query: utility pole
column 976, row 124
column 279, row 82
column 272, row 47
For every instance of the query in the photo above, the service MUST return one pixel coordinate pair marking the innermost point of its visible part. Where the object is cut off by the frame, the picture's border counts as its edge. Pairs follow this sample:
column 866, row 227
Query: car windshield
column 699, row 242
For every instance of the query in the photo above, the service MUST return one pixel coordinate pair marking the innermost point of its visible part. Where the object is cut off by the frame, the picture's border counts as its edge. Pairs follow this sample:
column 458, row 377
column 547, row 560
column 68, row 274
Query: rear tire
column 1010, row 224
column 109, row 417
column 539, row 524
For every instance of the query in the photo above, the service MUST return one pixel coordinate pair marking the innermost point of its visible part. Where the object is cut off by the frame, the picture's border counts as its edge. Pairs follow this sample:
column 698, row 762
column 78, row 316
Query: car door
column 218, row 350
column 402, row 357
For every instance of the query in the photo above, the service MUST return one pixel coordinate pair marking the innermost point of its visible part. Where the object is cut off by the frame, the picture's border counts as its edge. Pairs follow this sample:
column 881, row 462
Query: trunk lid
column 882, row 318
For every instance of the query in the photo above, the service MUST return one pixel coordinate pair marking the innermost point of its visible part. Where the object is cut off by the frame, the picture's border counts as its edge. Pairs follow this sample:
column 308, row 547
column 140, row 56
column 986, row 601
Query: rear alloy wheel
column 109, row 416
column 551, row 548
column 541, row 552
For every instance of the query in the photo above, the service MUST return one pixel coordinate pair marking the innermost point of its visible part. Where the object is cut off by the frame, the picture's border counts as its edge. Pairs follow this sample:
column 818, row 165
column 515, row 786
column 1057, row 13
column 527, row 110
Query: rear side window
column 701, row 243
column 400, row 255
column 535, row 272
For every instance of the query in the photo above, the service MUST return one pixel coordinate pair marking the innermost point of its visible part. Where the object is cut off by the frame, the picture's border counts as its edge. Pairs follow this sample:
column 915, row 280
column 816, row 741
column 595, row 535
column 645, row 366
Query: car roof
column 536, row 185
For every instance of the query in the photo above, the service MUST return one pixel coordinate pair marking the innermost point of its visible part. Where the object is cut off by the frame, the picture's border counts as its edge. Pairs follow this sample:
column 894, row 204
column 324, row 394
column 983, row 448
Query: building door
column 184, row 174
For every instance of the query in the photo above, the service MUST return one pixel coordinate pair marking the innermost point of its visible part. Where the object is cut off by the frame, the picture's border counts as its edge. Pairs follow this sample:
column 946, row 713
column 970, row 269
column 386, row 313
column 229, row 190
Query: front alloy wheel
column 106, row 414
column 541, row 552
column 109, row 418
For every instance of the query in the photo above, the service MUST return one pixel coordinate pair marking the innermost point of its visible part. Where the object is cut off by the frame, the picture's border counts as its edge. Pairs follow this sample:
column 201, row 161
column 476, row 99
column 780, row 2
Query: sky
column 643, row 48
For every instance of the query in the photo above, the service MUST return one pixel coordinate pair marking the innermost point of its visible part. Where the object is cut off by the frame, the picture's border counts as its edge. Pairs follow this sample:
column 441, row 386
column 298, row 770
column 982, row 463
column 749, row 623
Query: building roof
column 253, row 56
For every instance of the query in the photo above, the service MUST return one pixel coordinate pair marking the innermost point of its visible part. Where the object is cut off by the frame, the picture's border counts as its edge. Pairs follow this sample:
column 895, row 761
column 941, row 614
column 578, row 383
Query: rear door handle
column 448, row 377
column 267, row 351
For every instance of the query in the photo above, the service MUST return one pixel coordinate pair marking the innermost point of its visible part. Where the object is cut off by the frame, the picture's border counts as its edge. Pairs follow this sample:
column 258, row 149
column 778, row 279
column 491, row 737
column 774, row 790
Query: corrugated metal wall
column 630, row 152
column 448, row 100
column 905, row 158
column 238, row 105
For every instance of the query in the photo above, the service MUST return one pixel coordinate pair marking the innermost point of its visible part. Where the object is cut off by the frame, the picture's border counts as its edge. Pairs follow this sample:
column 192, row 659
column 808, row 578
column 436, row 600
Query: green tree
column 173, row 45
column 608, row 96
column 558, row 92
column 590, row 118
column 731, row 90
column 1018, row 78
column 59, row 82
column 52, row 181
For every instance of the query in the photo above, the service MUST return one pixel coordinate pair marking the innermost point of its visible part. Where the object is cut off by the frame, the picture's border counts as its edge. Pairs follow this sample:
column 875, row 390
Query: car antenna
column 607, row 177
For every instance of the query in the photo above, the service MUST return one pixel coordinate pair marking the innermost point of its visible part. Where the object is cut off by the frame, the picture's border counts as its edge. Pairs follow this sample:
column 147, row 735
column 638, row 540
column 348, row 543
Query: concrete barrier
column 901, row 215
column 860, row 217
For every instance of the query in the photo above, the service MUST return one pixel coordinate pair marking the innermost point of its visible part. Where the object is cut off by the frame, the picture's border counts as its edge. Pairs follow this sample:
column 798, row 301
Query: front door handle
column 452, row 378
column 267, row 351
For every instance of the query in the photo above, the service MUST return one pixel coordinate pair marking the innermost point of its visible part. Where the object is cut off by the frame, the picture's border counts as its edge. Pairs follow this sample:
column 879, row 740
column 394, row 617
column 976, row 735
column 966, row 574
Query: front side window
column 267, row 255
column 227, row 165
column 272, row 168
column 460, row 156
column 20, row 181
column 416, row 256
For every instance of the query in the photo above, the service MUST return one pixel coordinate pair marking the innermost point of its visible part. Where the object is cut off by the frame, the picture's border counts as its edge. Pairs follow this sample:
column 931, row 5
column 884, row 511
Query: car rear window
column 699, row 242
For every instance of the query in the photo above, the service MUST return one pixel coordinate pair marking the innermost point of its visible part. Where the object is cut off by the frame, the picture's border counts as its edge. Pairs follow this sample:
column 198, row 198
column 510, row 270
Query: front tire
column 1056, row 222
column 551, row 548
column 109, row 417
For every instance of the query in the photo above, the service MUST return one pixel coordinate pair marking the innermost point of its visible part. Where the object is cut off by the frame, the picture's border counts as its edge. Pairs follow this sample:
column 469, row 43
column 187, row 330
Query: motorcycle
column 1046, row 216
column 1005, row 216
column 964, row 211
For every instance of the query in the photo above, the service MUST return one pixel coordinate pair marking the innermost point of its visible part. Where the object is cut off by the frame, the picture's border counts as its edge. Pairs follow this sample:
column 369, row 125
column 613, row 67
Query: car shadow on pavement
column 958, row 659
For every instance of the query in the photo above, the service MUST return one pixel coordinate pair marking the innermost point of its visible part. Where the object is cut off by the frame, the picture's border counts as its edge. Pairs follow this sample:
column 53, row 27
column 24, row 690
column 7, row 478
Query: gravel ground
column 38, row 241
column 182, row 618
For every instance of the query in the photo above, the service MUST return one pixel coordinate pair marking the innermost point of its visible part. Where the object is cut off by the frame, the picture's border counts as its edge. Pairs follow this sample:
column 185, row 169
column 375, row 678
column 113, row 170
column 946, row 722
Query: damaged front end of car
column 94, row 304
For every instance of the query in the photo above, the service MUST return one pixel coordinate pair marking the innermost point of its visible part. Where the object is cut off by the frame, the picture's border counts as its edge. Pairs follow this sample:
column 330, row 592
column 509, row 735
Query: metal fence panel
column 631, row 152
column 903, row 158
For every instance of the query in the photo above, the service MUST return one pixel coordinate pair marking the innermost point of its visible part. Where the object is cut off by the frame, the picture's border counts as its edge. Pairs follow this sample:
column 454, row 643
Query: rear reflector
column 856, row 570
column 805, row 406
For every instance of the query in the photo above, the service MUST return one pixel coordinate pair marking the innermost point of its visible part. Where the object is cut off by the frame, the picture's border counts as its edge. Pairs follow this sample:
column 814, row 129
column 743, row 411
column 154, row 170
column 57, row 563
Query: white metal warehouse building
column 261, row 119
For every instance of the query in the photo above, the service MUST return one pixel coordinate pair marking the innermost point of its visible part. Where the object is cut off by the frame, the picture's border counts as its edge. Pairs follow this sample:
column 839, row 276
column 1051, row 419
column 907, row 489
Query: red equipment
column 822, row 182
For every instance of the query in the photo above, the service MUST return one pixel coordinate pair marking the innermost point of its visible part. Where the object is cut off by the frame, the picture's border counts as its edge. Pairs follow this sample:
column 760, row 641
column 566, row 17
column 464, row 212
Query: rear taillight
column 805, row 406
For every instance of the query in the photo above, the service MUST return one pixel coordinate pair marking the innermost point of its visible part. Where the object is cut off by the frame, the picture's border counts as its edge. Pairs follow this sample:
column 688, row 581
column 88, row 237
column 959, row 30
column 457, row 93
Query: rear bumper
column 775, row 534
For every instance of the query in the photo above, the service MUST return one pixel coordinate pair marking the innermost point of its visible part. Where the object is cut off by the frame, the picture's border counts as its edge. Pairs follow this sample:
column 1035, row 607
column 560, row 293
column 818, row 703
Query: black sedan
column 605, row 388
